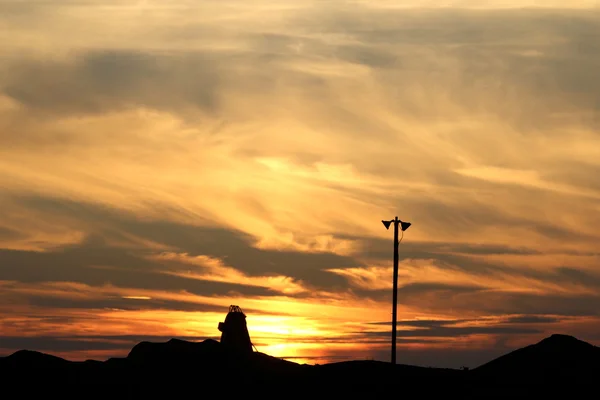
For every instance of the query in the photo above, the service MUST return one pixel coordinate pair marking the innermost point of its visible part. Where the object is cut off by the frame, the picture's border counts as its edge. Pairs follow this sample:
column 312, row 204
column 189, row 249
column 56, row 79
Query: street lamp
column 403, row 226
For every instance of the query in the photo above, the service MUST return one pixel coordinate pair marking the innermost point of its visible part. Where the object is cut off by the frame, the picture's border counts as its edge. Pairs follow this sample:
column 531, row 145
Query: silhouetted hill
column 555, row 357
column 175, row 350
column 33, row 359
column 178, row 368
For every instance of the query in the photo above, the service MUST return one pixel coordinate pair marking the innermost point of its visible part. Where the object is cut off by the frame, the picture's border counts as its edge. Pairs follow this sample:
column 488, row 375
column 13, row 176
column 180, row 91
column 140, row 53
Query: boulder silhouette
column 234, row 331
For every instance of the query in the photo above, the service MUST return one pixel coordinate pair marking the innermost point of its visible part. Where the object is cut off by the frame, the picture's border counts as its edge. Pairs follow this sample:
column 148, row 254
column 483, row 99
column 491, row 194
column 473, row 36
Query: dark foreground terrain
column 557, row 367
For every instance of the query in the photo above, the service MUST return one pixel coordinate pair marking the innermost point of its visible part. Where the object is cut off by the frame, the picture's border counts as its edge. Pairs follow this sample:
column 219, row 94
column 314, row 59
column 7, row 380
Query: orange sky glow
column 160, row 161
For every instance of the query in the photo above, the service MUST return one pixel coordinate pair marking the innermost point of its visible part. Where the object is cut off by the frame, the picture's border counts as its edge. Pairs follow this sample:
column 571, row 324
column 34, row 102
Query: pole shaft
column 395, row 294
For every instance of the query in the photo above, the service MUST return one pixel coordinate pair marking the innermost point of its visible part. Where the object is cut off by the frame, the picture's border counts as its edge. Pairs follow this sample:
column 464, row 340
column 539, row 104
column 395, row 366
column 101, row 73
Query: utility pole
column 404, row 226
column 395, row 295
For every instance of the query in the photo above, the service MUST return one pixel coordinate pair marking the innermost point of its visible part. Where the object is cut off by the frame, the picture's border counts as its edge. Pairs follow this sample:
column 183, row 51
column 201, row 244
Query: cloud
column 502, row 320
column 6, row 233
column 97, row 265
column 532, row 319
column 122, row 343
column 455, row 332
column 214, row 270
column 501, row 302
column 119, row 303
column 106, row 81
column 111, row 231
column 443, row 271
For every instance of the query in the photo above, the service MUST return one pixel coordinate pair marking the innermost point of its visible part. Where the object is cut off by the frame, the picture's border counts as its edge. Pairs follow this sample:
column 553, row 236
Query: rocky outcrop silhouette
column 234, row 331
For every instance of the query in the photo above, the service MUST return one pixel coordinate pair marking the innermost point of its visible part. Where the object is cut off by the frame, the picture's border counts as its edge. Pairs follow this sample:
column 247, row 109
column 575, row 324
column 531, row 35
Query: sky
column 162, row 160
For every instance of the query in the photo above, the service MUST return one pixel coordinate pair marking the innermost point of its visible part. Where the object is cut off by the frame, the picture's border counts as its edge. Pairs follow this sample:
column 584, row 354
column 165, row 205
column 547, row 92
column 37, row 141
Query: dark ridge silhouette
column 179, row 368
column 34, row 359
column 558, row 356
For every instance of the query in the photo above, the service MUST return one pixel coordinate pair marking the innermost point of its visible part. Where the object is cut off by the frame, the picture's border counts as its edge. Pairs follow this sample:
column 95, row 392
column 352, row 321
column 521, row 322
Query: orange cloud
column 212, row 269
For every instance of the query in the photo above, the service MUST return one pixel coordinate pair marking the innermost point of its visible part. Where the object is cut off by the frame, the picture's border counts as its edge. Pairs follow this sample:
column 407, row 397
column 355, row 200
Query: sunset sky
column 162, row 160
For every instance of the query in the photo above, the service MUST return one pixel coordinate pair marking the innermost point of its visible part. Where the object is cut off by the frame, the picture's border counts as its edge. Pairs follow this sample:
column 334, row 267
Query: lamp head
column 387, row 224
column 404, row 225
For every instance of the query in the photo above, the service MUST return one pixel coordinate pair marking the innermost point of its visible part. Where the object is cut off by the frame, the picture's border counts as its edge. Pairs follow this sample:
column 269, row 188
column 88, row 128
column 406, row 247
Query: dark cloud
column 435, row 323
column 499, row 302
column 454, row 331
column 378, row 249
column 449, row 356
column 51, row 344
column 479, row 60
column 119, row 344
column 526, row 303
column 485, row 59
column 451, row 26
column 575, row 173
column 81, row 262
column 127, row 304
column 457, row 299
column 440, row 288
column 87, row 263
column 471, row 214
column 120, row 303
column 103, row 81
column 573, row 275
column 10, row 234
column 470, row 258
column 532, row 319
column 425, row 295
column 424, row 323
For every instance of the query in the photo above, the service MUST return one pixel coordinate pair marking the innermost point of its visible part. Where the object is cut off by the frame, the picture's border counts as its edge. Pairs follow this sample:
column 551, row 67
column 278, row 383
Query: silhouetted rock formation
column 235, row 331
